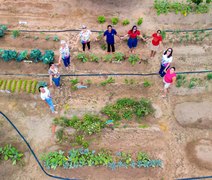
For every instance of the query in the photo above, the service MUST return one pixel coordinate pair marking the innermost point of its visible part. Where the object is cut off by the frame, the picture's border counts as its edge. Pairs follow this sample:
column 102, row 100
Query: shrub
column 140, row 21
column 209, row 76
column 48, row 57
column 36, row 55
column 108, row 57
column 82, row 57
column 133, row 58
column 56, row 38
column 115, row 20
column 118, row 56
column 94, row 58
column 3, row 28
column 125, row 22
column 22, row 55
column 15, row 33
column 101, row 19
column 8, row 55
column 108, row 81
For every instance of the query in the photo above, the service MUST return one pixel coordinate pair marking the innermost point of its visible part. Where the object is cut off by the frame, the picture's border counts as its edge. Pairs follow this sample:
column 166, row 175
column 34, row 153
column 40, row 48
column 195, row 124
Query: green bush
column 133, row 58
column 82, row 57
column 209, row 76
column 22, row 55
column 8, row 55
column 140, row 21
column 125, row 22
column 48, row 57
column 15, row 33
column 114, row 20
column 101, row 19
column 36, row 55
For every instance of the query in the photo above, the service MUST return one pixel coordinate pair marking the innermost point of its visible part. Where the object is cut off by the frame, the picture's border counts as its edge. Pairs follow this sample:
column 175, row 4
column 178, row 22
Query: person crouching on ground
column 64, row 54
column 45, row 95
column 169, row 78
column 156, row 43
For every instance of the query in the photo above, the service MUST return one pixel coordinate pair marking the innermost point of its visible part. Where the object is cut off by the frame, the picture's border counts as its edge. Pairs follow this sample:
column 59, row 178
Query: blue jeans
column 50, row 103
column 66, row 61
column 132, row 42
column 56, row 81
column 161, row 71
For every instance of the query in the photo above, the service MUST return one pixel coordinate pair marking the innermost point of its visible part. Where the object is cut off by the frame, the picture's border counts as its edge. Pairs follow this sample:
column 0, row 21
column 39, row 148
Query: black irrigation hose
column 194, row 178
column 31, row 150
column 107, row 74
column 77, row 30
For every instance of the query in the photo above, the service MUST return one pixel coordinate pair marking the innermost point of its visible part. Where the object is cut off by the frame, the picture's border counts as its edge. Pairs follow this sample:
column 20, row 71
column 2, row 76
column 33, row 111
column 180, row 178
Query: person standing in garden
column 156, row 43
column 45, row 95
column 110, row 33
column 84, row 37
column 54, row 75
column 169, row 78
column 64, row 54
column 133, row 35
column 166, row 61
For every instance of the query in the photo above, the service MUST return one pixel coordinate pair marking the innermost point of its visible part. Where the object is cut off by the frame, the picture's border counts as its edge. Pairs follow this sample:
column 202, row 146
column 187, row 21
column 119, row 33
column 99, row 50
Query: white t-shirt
column 85, row 36
column 166, row 60
column 45, row 95
column 65, row 52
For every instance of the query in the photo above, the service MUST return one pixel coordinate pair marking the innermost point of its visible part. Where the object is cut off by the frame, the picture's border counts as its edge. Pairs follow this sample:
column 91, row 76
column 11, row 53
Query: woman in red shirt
column 156, row 42
column 169, row 79
column 132, row 41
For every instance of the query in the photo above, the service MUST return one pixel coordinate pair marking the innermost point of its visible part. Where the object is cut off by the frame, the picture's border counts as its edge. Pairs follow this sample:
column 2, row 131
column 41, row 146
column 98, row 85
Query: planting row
column 195, row 6
column 29, row 86
column 35, row 55
column 76, row 158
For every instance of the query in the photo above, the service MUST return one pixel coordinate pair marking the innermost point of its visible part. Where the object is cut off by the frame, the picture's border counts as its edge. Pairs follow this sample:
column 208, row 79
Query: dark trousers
column 161, row 72
column 84, row 44
column 112, row 46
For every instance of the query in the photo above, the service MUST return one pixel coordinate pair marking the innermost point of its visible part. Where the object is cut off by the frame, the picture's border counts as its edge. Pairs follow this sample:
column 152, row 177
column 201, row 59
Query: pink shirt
column 169, row 77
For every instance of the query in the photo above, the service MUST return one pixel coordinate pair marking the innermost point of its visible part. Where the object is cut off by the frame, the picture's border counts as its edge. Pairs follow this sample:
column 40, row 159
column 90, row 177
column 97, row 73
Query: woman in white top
column 54, row 75
column 45, row 95
column 64, row 54
column 166, row 61
column 84, row 37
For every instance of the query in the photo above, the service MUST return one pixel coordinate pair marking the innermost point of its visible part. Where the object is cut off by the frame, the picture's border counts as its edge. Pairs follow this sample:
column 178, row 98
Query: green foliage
column 197, row 2
column 114, row 20
column 13, row 86
column 8, row 152
column 82, row 57
column 9, row 83
column 74, row 81
column 60, row 134
column 118, row 56
column 133, row 58
column 125, row 22
column 208, row 1
column 140, row 21
column 101, row 19
column 209, row 76
column 8, row 55
column 48, row 57
column 127, row 108
column 194, row 82
column 24, row 85
column 88, row 82
column 181, row 80
column 108, row 81
column 29, row 86
column 146, row 83
column 36, row 55
column 3, row 28
column 129, row 81
column 34, row 87
column 163, row 34
column 22, row 55
column 108, row 58
column 15, row 33
column 80, row 140
column 36, row 38
column 94, row 58
column 47, row 38
column 81, row 157
column 103, row 47
column 56, row 38
column 3, row 86
column 19, row 84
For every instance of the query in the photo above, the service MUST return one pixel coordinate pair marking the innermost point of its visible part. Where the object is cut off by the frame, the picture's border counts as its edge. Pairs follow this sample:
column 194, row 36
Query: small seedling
column 55, row 38
column 103, row 47
column 115, row 20
column 118, row 56
column 209, row 76
column 47, row 38
column 133, row 58
column 146, row 83
column 82, row 57
column 15, row 33
column 125, row 22
column 94, row 58
column 140, row 21
column 108, row 81
column 101, row 19
column 36, row 38
column 108, row 58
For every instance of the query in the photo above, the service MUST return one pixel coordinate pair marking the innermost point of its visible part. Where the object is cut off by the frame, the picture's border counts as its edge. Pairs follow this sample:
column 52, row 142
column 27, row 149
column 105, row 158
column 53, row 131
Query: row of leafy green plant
column 9, row 152
column 116, row 57
column 12, row 85
column 191, row 6
column 116, row 20
column 192, row 83
column 188, row 37
column 35, row 55
column 77, row 158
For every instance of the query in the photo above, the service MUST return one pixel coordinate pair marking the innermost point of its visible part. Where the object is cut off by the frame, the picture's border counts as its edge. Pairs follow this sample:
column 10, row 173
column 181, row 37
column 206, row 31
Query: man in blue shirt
column 110, row 33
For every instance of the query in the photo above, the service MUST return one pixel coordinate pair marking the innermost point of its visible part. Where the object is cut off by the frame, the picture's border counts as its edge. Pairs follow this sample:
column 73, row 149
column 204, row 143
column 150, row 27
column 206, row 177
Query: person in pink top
column 169, row 79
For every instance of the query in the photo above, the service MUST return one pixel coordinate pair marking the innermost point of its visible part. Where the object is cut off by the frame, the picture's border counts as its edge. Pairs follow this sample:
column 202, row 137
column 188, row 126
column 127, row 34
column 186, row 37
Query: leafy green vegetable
column 48, row 57
column 36, row 55
column 22, row 55
column 8, row 55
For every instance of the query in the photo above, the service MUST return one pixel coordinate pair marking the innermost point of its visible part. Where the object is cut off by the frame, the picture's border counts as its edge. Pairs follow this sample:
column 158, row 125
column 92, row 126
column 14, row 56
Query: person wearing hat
column 64, row 54
column 84, row 37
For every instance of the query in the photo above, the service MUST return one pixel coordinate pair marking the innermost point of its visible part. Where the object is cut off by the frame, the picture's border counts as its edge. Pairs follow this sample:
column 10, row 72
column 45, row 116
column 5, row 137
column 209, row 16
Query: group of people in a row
column 167, row 72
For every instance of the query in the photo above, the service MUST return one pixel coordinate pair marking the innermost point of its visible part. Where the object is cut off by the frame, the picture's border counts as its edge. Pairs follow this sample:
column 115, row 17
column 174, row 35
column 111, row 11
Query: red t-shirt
column 156, row 39
column 169, row 77
column 134, row 34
